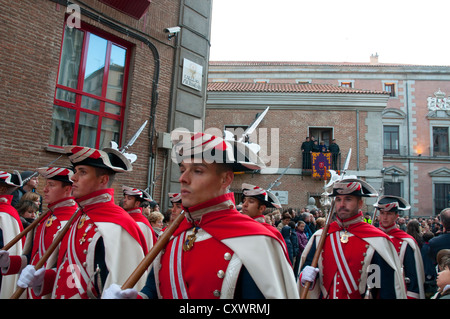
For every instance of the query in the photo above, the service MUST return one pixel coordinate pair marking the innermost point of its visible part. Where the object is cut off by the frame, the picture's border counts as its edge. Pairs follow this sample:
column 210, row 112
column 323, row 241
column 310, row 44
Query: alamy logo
column 263, row 143
column 373, row 276
column 74, row 18
column 73, row 281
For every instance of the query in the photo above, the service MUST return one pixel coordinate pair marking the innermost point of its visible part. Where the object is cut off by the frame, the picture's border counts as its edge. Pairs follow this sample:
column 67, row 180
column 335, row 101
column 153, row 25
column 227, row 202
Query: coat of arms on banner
column 321, row 163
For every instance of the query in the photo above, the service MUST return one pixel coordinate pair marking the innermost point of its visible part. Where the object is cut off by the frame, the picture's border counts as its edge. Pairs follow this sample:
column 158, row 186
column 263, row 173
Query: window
column 390, row 87
column 442, row 197
column 393, row 188
column 90, row 93
column 321, row 134
column 390, row 139
column 440, row 141
column 346, row 84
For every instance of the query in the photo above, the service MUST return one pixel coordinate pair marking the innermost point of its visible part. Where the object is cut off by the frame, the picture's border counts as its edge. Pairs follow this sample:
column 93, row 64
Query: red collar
column 137, row 210
column 100, row 196
column 223, row 202
column 346, row 223
column 357, row 227
column 64, row 202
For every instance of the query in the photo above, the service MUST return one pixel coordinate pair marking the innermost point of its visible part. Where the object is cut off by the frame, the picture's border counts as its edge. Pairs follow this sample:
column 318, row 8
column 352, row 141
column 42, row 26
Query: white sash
column 177, row 281
column 341, row 262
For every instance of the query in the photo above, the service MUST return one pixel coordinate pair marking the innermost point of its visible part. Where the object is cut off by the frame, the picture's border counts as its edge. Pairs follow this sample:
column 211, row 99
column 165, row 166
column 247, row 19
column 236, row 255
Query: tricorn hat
column 266, row 197
column 107, row 158
column 390, row 203
column 175, row 197
column 139, row 194
column 56, row 173
column 14, row 180
column 353, row 186
column 211, row 148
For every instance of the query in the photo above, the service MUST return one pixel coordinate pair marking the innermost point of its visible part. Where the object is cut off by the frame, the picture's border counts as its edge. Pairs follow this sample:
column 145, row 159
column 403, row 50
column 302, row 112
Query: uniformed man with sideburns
column 216, row 252
column 357, row 260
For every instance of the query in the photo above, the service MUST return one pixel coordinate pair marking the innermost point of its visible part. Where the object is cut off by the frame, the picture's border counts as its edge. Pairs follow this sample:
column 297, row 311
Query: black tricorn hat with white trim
column 56, row 173
column 175, row 197
column 13, row 180
column 265, row 197
column 107, row 158
column 210, row 148
column 139, row 194
column 353, row 186
column 390, row 203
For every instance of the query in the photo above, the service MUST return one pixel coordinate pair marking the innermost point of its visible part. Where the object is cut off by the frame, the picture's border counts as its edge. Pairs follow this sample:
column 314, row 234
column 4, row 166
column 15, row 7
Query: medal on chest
column 82, row 221
column 50, row 221
column 344, row 237
column 190, row 239
column 83, row 238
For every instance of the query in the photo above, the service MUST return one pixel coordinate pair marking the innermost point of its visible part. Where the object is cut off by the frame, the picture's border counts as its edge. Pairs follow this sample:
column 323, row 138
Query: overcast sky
column 400, row 31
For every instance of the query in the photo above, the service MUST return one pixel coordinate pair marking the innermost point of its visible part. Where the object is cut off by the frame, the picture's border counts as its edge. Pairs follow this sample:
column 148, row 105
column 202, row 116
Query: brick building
column 93, row 71
column 394, row 117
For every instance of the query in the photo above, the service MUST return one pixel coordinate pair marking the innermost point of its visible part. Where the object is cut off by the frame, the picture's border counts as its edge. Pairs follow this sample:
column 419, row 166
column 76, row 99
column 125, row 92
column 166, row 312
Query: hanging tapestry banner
column 321, row 163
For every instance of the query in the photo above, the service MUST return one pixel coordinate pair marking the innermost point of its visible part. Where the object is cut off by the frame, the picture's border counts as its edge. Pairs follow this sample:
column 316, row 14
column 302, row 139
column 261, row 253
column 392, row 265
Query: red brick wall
column 30, row 46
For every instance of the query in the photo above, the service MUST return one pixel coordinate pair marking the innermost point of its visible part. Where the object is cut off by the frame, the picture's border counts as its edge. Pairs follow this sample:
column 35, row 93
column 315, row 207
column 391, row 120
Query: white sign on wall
column 283, row 196
column 192, row 74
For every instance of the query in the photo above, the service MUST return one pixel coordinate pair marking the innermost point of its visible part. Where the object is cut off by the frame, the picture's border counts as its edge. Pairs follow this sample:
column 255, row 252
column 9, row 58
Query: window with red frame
column 90, row 93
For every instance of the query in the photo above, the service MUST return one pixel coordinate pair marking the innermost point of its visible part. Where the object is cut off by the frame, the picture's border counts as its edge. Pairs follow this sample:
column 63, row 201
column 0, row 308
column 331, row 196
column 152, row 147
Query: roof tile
column 285, row 88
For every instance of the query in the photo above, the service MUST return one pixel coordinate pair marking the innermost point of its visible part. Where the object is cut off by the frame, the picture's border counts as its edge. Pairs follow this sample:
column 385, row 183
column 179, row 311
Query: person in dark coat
column 334, row 150
column 443, row 240
column 306, row 153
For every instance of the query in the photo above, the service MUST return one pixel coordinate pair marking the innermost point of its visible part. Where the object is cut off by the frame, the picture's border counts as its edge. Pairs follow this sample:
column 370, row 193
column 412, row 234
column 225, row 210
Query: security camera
column 172, row 30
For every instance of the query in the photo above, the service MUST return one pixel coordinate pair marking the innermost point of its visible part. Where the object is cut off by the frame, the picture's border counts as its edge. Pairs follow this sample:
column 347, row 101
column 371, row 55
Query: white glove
column 30, row 277
column 114, row 291
column 4, row 259
column 309, row 274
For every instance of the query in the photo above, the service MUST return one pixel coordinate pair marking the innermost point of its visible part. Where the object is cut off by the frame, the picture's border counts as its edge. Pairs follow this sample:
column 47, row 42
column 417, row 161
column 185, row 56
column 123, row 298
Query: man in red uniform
column 216, row 252
column 57, row 195
column 104, row 244
column 256, row 200
column 10, row 227
column 357, row 260
column 177, row 208
column 406, row 246
column 132, row 200
column 254, row 203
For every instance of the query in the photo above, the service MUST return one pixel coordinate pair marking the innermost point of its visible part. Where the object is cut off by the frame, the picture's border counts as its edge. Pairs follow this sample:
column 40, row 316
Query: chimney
column 374, row 59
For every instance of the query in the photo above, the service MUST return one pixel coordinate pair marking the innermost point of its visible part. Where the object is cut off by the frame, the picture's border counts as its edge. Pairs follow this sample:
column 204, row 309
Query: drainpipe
column 408, row 145
column 357, row 140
